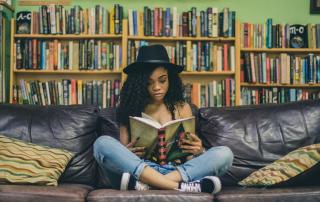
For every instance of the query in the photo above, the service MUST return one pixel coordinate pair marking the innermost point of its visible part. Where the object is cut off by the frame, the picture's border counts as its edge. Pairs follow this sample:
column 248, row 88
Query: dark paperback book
column 23, row 22
column 298, row 36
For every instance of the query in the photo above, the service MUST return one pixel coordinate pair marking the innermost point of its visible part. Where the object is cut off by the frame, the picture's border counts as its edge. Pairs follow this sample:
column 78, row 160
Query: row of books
column 55, row 19
column 285, row 68
column 213, row 94
column 167, row 22
column 280, row 35
column 67, row 92
column 205, row 56
column 276, row 95
column 69, row 55
column 208, row 56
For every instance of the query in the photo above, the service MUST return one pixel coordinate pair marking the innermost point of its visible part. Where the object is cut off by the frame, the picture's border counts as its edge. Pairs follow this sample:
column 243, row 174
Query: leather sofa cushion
column 108, row 124
column 111, row 195
column 63, row 192
column 293, row 194
column 73, row 128
column 259, row 135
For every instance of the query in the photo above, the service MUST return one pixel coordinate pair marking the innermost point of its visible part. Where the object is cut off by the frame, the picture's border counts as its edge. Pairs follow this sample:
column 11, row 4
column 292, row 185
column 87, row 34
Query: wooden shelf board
column 311, row 85
column 68, row 36
column 207, row 73
column 66, row 71
column 277, row 50
column 153, row 38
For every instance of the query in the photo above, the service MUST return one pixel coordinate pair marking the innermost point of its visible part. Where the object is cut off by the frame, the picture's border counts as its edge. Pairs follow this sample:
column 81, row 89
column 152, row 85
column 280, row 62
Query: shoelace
column 141, row 186
column 190, row 187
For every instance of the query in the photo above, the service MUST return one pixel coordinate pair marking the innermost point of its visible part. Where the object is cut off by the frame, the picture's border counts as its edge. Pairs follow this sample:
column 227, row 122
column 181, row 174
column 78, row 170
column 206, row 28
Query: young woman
column 154, row 87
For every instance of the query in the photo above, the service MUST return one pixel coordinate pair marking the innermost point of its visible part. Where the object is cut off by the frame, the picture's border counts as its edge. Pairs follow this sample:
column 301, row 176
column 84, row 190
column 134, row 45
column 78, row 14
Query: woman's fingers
column 131, row 144
column 137, row 149
column 190, row 142
column 140, row 154
column 190, row 147
column 194, row 137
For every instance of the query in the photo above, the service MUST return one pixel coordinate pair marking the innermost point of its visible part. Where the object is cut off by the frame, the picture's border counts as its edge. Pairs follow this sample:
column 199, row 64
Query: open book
column 161, row 141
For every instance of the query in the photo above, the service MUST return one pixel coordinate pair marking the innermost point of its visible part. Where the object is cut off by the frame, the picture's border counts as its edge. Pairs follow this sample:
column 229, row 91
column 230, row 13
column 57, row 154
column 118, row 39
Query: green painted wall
column 255, row 11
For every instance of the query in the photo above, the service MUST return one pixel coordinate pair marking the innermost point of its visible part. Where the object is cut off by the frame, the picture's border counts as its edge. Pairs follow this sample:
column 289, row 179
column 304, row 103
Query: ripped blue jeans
column 115, row 159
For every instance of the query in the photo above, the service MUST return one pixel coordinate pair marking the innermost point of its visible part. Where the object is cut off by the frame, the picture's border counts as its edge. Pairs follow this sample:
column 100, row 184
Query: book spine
column 161, row 147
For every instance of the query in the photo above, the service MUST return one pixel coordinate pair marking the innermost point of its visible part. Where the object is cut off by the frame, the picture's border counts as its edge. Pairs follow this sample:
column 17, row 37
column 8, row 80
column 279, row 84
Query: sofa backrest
column 259, row 135
column 73, row 128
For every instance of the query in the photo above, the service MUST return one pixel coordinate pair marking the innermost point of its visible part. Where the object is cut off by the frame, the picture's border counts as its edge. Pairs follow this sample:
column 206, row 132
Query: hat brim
column 141, row 66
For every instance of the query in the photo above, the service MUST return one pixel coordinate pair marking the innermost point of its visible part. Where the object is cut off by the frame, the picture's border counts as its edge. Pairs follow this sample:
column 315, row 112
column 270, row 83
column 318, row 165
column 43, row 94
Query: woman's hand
column 192, row 145
column 139, row 151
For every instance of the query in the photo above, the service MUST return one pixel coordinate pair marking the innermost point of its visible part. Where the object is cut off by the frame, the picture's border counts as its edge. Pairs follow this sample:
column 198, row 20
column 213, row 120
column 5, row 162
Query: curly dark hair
column 134, row 95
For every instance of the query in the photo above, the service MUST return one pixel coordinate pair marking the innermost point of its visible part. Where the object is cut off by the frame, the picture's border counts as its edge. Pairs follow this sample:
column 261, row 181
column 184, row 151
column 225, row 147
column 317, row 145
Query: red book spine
column 156, row 22
column 228, row 99
column 225, row 57
column 73, row 91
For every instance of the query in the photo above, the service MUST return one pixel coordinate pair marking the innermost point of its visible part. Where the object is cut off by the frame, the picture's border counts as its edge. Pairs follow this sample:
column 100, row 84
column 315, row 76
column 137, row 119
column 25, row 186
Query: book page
column 147, row 134
column 187, row 123
column 150, row 122
column 177, row 121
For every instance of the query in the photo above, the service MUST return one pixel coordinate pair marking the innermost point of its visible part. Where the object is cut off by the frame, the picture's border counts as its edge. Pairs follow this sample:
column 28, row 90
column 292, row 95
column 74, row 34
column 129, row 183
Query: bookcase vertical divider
column 12, row 76
column 237, row 68
column 124, row 48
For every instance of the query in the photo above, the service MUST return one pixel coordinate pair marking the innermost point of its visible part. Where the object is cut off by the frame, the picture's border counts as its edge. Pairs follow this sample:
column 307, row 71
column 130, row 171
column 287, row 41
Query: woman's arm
column 124, row 135
column 124, row 139
column 194, row 144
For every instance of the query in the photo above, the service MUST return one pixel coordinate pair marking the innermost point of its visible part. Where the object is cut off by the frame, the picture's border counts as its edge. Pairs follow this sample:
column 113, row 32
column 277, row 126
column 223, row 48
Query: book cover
column 161, row 141
column 298, row 36
column 23, row 22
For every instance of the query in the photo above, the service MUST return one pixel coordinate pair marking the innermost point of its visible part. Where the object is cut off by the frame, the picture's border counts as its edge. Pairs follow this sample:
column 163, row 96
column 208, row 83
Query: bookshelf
column 6, row 13
column 136, row 34
column 46, row 75
column 286, row 72
column 123, row 39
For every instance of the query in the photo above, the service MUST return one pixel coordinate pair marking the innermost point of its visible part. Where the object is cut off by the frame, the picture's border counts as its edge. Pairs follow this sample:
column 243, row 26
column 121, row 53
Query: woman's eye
column 163, row 81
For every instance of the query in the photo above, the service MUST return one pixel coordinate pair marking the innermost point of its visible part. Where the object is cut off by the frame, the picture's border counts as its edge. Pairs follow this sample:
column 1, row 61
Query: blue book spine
column 167, row 25
column 135, row 26
column 292, row 95
column 43, row 55
column 269, row 33
column 230, row 24
column 311, row 70
column 207, row 56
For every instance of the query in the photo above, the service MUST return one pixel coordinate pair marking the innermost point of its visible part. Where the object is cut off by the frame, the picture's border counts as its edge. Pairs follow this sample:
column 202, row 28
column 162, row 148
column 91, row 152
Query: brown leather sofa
column 257, row 135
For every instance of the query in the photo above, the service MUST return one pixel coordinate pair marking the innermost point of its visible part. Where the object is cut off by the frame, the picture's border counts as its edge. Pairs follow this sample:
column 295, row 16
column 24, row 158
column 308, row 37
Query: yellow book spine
column 112, row 21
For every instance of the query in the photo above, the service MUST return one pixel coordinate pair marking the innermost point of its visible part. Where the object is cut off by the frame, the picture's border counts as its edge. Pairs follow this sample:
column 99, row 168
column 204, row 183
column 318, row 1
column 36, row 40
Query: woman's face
column 158, row 84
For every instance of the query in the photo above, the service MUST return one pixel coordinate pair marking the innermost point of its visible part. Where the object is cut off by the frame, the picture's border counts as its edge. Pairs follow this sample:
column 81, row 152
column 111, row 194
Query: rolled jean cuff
column 137, row 172
column 184, row 175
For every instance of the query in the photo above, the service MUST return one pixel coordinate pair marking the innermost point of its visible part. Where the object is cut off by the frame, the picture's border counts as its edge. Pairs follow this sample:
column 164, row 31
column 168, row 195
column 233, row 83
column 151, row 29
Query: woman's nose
column 156, row 86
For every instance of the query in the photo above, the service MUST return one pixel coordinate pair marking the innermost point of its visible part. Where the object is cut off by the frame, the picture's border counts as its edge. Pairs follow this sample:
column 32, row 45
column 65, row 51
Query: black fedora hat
column 152, row 56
